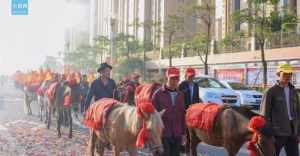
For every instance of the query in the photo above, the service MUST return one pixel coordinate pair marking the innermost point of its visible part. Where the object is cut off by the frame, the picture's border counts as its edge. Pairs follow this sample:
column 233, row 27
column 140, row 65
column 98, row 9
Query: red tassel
column 256, row 123
column 144, row 106
column 142, row 137
column 251, row 148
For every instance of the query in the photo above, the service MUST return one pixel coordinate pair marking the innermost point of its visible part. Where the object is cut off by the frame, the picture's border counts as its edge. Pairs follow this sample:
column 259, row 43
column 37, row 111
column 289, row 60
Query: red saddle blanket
column 202, row 116
column 51, row 91
column 96, row 114
column 33, row 87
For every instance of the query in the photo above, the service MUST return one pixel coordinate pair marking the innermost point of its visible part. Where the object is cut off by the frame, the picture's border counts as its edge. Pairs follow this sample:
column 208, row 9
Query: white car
column 213, row 91
column 248, row 96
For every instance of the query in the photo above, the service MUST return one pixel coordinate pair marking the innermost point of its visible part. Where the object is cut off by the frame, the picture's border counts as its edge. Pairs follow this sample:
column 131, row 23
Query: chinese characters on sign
column 19, row 7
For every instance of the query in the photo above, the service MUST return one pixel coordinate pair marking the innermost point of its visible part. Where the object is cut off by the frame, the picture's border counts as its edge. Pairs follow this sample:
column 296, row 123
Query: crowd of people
column 280, row 107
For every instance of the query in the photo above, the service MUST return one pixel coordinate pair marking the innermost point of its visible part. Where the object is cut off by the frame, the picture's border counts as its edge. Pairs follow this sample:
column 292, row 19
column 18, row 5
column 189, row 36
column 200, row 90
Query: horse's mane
column 245, row 111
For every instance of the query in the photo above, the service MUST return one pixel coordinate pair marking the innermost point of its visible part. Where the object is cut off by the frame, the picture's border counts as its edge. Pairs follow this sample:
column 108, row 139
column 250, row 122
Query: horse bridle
column 154, row 148
column 259, row 149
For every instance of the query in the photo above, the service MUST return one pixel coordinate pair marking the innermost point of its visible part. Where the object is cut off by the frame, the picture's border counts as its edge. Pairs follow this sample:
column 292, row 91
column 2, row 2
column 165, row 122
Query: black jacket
column 274, row 109
column 184, row 87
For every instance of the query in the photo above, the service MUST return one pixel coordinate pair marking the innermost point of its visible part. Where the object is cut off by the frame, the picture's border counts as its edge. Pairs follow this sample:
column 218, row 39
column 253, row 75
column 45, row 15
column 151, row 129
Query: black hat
column 103, row 66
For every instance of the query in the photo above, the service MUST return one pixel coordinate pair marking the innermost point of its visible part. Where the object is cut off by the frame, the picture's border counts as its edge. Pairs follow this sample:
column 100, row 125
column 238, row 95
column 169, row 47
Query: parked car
column 212, row 90
column 248, row 96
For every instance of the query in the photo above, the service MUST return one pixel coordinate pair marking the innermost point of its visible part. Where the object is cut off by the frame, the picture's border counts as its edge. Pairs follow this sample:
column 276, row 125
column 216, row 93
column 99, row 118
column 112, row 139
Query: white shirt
column 173, row 97
column 287, row 99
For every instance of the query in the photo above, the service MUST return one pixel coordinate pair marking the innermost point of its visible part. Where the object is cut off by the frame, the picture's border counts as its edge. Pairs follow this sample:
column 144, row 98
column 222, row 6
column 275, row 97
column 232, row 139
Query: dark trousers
column 171, row 146
column 289, row 143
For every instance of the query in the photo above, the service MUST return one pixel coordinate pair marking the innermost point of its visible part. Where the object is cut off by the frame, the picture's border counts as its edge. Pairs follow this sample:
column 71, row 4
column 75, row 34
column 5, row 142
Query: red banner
column 232, row 75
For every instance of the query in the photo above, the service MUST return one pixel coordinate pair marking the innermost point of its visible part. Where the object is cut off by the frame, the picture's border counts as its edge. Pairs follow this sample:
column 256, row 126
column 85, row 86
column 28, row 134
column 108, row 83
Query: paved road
column 26, row 135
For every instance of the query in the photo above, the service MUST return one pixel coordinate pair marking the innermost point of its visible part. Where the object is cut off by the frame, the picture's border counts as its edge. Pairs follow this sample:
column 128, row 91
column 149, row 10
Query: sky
column 26, row 40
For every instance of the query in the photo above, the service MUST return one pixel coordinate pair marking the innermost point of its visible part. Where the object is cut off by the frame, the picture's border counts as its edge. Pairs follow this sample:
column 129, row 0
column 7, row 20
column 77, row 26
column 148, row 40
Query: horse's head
column 155, row 126
column 262, row 142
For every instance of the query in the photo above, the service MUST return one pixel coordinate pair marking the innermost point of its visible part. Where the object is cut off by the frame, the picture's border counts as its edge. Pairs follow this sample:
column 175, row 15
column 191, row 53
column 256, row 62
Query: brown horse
column 230, row 130
column 55, row 104
column 121, row 130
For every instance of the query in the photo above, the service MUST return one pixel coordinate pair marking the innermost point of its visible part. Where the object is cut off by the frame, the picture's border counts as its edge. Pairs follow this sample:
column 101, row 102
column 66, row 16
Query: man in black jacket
column 103, row 87
column 281, row 109
column 190, row 90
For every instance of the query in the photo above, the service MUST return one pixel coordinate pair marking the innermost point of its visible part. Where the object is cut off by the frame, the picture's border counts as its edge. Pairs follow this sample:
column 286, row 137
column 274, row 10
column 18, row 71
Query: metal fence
column 241, row 44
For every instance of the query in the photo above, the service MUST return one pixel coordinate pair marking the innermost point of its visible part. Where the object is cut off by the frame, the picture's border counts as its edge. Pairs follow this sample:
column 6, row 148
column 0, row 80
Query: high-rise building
column 135, row 18
column 226, row 8
column 77, row 31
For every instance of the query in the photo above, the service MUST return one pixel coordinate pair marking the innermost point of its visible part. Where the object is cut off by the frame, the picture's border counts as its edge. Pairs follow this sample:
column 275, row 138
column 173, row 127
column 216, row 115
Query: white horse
column 122, row 128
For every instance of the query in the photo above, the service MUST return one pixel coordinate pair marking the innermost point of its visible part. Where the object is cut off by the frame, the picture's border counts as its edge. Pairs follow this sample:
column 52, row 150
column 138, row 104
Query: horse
column 230, row 130
column 42, row 99
column 29, row 97
column 59, row 100
column 64, row 112
column 122, row 128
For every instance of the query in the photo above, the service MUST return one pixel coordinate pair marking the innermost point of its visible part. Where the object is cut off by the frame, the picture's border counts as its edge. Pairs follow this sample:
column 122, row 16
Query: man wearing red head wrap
column 172, row 100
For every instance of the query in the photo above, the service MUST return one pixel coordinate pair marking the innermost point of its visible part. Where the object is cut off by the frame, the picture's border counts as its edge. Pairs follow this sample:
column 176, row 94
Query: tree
column 126, row 44
column 146, row 44
column 126, row 66
column 173, row 26
column 203, row 13
column 84, row 57
column 262, row 24
column 101, row 47
column 52, row 63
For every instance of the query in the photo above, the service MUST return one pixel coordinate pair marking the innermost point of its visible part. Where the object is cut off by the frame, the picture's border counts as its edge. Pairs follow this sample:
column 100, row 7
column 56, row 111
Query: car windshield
column 238, row 86
column 209, row 83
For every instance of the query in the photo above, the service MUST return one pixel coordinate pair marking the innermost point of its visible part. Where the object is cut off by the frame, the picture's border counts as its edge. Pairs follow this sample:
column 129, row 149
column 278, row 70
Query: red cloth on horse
column 144, row 92
column 96, row 114
column 202, row 116
column 33, row 87
column 51, row 91
column 39, row 91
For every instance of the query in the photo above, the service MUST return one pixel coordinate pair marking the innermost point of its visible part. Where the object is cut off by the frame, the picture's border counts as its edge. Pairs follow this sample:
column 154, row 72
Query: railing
column 283, row 39
column 242, row 44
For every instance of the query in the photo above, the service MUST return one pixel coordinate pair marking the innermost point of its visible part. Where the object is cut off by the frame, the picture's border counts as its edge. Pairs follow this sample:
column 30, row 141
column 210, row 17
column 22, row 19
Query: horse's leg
column 49, row 115
column 233, row 147
column 46, row 110
column 231, row 152
column 29, row 106
column 65, row 118
column 194, row 141
column 132, row 151
column 70, row 121
column 26, row 103
column 116, row 151
column 91, row 143
column 99, row 147
column 40, row 107
column 59, row 119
